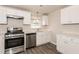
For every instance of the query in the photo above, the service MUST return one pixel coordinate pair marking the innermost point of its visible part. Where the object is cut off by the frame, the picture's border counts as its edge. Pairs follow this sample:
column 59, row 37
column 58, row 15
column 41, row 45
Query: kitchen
column 17, row 23
column 31, row 28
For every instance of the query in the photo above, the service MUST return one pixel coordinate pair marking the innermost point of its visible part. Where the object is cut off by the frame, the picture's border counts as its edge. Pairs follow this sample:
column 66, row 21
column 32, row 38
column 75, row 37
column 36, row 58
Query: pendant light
column 36, row 22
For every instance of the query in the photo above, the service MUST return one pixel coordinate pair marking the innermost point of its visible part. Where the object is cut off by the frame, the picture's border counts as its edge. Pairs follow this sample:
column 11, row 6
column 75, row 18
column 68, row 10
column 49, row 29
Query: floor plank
column 47, row 48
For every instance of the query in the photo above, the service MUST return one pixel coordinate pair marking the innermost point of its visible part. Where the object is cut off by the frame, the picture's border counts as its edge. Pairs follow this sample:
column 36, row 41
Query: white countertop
column 69, row 34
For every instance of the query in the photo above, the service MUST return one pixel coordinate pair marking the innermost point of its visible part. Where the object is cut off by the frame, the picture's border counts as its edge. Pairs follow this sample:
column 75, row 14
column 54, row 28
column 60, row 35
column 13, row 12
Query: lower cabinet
column 68, row 44
column 37, row 39
column 1, row 44
column 30, row 40
column 42, row 38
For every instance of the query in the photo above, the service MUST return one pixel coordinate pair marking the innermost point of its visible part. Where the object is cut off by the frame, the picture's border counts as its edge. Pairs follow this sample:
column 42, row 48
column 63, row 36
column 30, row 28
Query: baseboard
column 53, row 42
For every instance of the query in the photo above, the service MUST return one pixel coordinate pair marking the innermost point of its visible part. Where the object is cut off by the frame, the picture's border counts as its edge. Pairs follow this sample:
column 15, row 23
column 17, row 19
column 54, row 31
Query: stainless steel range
column 14, row 40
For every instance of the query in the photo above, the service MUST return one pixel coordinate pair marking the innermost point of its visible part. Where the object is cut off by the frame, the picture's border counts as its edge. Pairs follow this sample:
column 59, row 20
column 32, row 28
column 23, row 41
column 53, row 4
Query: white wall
column 56, row 27
column 17, row 23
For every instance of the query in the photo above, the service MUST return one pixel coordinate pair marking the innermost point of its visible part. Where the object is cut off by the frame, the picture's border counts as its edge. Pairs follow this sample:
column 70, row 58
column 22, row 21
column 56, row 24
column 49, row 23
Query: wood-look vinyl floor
column 43, row 49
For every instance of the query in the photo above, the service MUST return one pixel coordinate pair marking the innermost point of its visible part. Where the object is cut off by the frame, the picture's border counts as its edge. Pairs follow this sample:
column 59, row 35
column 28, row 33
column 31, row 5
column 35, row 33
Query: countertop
column 76, row 35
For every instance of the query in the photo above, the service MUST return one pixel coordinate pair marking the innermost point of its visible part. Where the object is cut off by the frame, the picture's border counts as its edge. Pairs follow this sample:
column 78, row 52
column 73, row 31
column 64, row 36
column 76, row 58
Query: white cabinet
column 3, row 18
column 45, row 20
column 22, row 13
column 27, row 18
column 68, row 44
column 12, row 11
column 5, row 11
column 42, row 38
column 62, row 43
column 1, row 43
column 70, row 15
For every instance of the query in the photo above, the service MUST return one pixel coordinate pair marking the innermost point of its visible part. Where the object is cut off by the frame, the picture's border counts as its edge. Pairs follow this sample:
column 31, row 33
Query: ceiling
column 40, row 8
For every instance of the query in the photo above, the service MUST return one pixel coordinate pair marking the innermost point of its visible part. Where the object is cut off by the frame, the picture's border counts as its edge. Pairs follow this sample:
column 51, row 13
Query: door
column 3, row 17
column 14, row 42
column 45, row 20
column 70, row 15
column 1, row 43
column 27, row 17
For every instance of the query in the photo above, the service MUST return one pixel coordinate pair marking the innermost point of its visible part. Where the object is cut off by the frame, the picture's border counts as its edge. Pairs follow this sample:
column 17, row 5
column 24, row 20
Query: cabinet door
column 70, row 15
column 27, row 18
column 1, row 44
column 45, row 20
column 3, row 17
column 42, row 38
column 16, row 12
column 13, row 11
column 74, row 45
column 39, row 39
column 67, row 44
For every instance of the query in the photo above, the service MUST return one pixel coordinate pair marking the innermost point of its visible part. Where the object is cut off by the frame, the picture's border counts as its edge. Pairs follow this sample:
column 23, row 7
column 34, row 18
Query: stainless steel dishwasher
column 30, row 40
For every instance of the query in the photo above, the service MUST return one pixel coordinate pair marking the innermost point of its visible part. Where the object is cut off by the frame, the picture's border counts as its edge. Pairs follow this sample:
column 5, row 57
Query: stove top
column 9, row 35
column 13, row 33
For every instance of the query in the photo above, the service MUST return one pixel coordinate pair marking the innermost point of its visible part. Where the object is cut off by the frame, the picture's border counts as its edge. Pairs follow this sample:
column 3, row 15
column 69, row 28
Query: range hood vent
column 15, row 16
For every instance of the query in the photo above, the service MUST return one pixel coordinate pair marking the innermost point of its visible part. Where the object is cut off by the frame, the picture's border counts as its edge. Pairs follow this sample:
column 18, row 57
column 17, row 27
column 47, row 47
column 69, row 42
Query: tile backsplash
column 17, row 23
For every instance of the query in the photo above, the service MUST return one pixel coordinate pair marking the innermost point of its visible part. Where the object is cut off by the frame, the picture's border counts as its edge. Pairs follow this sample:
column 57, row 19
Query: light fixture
column 36, row 21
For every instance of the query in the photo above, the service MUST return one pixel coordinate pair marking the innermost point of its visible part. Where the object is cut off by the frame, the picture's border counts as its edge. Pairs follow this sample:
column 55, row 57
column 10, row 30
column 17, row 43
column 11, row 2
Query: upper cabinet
column 12, row 11
column 3, row 19
column 45, row 20
column 27, row 18
column 6, row 11
column 70, row 15
column 25, row 14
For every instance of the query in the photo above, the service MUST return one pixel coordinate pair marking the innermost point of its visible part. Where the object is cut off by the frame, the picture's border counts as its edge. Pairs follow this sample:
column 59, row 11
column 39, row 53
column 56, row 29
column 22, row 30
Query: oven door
column 14, row 42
